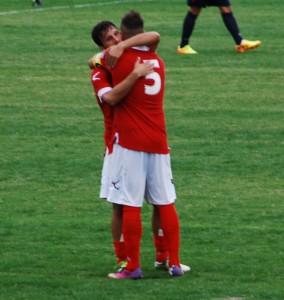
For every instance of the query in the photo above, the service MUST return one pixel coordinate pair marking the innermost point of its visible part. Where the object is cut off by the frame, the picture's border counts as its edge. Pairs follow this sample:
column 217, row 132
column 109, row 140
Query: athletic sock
column 160, row 246
column 119, row 251
column 132, row 233
column 232, row 26
column 170, row 225
column 188, row 26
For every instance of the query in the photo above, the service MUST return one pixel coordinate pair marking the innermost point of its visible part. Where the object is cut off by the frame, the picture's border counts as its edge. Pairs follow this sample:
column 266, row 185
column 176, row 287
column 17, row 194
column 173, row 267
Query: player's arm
column 150, row 39
column 121, row 90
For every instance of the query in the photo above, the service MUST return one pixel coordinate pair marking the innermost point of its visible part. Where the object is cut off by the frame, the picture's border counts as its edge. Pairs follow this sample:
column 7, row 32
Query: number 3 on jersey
column 155, row 88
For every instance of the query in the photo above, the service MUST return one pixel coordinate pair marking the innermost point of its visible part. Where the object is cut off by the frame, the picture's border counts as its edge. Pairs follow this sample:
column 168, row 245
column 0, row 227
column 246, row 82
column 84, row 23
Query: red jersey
column 139, row 121
column 101, row 82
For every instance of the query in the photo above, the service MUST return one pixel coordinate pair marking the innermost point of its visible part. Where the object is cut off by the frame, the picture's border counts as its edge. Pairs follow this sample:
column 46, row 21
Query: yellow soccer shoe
column 247, row 45
column 186, row 50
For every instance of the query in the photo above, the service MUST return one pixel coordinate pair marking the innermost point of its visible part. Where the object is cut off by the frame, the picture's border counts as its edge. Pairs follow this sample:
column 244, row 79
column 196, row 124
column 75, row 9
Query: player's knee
column 195, row 10
column 225, row 9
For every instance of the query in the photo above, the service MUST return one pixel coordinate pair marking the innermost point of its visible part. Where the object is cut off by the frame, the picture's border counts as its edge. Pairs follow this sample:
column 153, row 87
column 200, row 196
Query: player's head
column 106, row 34
column 131, row 24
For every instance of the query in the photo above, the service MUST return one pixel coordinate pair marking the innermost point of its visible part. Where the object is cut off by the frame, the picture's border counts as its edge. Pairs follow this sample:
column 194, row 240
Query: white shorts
column 105, row 178
column 137, row 175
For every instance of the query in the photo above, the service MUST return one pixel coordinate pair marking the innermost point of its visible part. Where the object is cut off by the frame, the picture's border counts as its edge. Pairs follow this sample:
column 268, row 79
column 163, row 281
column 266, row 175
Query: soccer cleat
column 161, row 265
column 247, row 45
column 175, row 271
column 164, row 266
column 186, row 50
column 120, row 266
column 124, row 274
column 185, row 268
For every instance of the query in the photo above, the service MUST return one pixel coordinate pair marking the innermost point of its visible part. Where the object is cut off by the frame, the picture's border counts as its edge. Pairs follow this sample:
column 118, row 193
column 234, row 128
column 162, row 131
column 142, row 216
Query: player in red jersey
column 106, row 34
column 141, row 160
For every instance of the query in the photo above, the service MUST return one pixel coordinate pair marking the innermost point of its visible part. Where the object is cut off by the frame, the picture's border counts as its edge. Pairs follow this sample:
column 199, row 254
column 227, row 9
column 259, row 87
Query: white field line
column 42, row 9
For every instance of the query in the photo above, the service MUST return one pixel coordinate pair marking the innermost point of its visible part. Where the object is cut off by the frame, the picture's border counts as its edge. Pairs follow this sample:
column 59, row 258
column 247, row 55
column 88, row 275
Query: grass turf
column 225, row 124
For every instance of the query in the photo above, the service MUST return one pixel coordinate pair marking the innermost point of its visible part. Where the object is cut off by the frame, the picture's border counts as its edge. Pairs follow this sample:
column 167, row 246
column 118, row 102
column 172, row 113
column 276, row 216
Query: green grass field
column 224, row 115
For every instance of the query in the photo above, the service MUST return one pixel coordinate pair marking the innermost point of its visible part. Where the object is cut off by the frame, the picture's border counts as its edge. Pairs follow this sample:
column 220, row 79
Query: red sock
column 161, row 246
column 119, row 251
column 170, row 225
column 132, row 233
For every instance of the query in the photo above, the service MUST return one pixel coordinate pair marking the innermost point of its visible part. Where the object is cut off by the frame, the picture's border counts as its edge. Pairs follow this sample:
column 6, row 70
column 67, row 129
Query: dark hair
column 99, row 30
column 132, row 23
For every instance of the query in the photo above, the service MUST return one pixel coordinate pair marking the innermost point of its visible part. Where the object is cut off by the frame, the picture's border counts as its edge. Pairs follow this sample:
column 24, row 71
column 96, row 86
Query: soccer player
column 141, row 161
column 36, row 3
column 105, row 34
column 195, row 7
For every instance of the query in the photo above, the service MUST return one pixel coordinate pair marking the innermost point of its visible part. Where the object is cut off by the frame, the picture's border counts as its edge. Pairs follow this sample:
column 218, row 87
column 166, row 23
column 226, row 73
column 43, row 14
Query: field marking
column 37, row 10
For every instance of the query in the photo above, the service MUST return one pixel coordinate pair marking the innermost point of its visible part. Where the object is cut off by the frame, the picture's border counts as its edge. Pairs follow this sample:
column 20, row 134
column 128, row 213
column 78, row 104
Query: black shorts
column 204, row 3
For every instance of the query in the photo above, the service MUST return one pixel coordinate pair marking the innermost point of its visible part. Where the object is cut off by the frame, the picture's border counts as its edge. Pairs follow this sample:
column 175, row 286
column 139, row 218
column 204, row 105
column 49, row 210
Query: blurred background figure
column 36, row 3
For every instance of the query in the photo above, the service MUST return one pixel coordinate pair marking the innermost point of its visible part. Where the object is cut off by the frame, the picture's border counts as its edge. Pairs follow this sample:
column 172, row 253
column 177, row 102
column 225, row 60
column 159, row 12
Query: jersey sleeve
column 101, row 82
